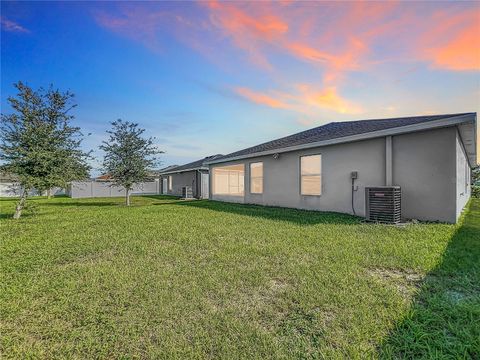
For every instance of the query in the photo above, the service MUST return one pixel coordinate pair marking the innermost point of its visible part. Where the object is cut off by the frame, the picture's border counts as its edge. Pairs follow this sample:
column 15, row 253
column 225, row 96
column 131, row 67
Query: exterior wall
column 12, row 189
column 281, row 177
column 426, row 165
column 463, row 176
column 179, row 180
column 188, row 178
column 89, row 189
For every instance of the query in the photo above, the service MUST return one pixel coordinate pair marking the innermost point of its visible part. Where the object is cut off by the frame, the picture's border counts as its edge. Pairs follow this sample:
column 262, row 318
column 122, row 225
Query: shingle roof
column 336, row 130
column 193, row 165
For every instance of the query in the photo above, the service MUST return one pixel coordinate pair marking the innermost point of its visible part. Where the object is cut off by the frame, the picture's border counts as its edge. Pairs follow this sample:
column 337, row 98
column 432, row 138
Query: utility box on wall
column 383, row 204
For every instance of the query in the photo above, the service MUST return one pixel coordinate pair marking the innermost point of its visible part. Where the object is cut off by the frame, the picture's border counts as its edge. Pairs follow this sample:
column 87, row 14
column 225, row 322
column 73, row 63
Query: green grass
column 167, row 278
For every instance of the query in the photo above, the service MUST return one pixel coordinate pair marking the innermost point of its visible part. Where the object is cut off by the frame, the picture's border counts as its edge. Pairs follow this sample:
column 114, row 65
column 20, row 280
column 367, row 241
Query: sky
column 214, row 77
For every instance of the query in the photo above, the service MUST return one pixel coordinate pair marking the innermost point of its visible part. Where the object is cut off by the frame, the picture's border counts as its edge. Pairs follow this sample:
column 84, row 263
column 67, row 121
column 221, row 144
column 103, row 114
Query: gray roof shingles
column 193, row 165
column 336, row 130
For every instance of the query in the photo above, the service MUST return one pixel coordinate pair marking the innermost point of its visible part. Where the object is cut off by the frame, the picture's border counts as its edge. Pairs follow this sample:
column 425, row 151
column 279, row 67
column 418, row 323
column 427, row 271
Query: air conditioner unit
column 383, row 204
column 187, row 192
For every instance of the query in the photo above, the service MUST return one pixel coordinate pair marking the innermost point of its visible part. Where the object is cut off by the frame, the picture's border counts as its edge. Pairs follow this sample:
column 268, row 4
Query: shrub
column 476, row 191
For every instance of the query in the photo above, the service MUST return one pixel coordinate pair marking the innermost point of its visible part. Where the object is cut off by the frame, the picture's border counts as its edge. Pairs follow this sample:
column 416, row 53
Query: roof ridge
column 406, row 117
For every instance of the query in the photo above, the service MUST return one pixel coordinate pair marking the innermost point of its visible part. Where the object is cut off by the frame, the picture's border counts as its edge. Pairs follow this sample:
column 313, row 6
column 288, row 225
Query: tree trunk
column 49, row 193
column 127, row 196
column 20, row 204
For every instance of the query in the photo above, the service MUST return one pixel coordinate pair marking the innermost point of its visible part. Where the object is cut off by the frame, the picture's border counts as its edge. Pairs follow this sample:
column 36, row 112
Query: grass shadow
column 4, row 215
column 30, row 198
column 444, row 321
column 302, row 217
column 159, row 197
column 80, row 203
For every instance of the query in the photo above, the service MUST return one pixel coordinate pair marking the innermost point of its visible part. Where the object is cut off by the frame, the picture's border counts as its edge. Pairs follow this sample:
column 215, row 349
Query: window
column 256, row 178
column 311, row 175
column 228, row 180
column 170, row 183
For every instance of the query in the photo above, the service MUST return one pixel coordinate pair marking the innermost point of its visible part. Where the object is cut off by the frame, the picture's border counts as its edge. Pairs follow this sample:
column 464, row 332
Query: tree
column 476, row 182
column 37, row 143
column 476, row 175
column 128, row 155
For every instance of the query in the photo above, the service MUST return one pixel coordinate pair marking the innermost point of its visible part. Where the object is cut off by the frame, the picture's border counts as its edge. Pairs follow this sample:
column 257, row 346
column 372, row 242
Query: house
column 193, row 175
column 327, row 168
column 103, row 177
column 10, row 187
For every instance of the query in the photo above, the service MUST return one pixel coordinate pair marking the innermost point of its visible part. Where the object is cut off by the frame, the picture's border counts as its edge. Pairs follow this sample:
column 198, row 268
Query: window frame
column 255, row 177
column 240, row 185
column 319, row 174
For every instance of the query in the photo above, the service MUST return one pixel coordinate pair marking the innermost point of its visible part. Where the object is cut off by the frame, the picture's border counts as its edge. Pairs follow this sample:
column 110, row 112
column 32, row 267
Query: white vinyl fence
column 90, row 188
column 12, row 189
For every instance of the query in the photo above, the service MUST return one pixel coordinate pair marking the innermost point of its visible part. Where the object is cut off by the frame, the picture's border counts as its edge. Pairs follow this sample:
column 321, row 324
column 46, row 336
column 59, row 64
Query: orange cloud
column 309, row 53
column 327, row 98
column 260, row 98
column 246, row 31
column 234, row 20
column 335, row 65
column 460, row 53
column 264, row 29
column 330, row 39
column 303, row 99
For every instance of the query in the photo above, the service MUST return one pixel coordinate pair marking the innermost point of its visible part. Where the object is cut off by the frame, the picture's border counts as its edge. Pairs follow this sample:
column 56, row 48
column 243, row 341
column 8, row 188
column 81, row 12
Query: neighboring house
column 10, row 187
column 157, row 173
column 429, row 157
column 193, row 175
column 103, row 177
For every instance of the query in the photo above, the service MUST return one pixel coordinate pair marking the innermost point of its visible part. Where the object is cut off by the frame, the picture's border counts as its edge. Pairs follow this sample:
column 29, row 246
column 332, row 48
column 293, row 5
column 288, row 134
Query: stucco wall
column 462, row 176
column 281, row 177
column 424, row 167
column 424, row 164
column 179, row 180
column 187, row 178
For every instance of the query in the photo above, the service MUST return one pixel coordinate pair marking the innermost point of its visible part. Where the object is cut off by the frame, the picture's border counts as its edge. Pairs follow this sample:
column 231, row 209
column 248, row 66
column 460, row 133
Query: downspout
column 388, row 161
column 198, row 184
column 353, row 192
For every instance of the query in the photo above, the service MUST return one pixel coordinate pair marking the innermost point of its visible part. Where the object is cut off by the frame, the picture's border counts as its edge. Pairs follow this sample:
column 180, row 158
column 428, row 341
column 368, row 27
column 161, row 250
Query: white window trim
column 320, row 174
column 255, row 177
column 214, row 190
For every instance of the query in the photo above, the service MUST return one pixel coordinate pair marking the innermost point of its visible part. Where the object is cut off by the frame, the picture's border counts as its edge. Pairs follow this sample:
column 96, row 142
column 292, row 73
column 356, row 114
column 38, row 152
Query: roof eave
column 184, row 170
column 451, row 121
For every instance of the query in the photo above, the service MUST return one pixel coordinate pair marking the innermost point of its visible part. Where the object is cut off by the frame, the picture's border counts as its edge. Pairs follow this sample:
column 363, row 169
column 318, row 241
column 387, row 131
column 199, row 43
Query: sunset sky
column 215, row 77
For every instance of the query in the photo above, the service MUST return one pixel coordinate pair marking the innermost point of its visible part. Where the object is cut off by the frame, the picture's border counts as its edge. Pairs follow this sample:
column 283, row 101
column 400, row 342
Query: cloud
column 303, row 98
column 327, row 98
column 461, row 51
column 261, row 98
column 337, row 37
column 247, row 32
column 335, row 64
column 329, row 40
column 136, row 23
column 11, row 26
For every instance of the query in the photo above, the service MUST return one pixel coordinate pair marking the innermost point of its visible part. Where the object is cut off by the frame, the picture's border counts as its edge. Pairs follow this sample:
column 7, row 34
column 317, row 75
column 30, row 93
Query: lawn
column 167, row 278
